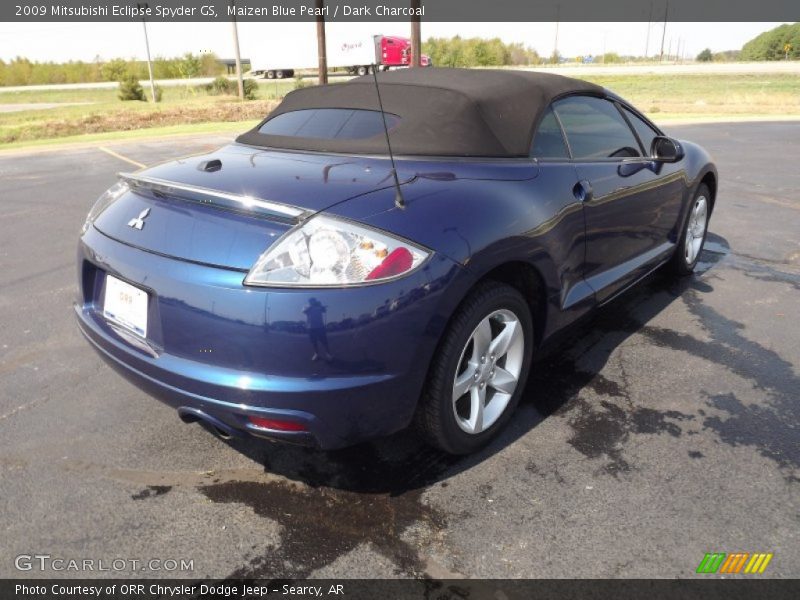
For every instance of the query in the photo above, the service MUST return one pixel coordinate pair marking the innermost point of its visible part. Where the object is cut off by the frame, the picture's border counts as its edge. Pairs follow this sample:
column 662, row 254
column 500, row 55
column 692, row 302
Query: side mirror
column 666, row 149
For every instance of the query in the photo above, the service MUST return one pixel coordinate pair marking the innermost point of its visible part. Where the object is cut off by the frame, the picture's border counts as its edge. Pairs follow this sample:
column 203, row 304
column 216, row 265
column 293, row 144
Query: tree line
column 478, row 52
column 776, row 44
column 22, row 71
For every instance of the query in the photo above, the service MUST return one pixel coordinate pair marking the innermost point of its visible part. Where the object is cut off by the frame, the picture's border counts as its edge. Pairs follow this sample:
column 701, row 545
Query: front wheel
column 479, row 370
column 693, row 235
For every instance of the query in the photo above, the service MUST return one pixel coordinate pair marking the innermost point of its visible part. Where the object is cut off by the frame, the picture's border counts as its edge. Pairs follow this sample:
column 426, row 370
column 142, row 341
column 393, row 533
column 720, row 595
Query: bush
column 222, row 86
column 299, row 82
column 130, row 89
column 250, row 89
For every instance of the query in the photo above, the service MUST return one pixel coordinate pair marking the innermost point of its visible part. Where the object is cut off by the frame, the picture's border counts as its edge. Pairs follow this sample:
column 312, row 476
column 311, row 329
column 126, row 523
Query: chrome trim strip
column 239, row 202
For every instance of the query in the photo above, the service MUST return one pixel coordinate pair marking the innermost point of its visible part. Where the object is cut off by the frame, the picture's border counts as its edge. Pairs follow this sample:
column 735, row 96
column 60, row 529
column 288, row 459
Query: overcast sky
column 84, row 41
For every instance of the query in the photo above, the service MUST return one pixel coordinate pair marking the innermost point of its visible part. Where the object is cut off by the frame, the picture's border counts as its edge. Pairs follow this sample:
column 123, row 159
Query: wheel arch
column 710, row 180
column 528, row 281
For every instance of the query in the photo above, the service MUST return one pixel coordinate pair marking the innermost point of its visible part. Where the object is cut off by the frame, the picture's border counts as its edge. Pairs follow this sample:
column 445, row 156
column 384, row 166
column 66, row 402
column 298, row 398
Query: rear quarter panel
column 483, row 222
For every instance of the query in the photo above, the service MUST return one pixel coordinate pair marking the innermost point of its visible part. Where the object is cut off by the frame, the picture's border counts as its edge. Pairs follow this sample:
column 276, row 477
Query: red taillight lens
column 277, row 424
column 399, row 261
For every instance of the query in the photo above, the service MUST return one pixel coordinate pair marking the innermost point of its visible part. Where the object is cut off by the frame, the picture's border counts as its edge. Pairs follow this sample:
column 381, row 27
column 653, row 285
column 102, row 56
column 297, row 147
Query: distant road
column 776, row 67
column 104, row 85
column 789, row 67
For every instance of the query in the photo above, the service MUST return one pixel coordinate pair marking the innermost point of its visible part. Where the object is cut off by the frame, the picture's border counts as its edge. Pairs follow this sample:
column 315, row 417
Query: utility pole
column 664, row 32
column 649, row 25
column 605, row 33
column 416, row 37
column 555, row 44
column 147, row 48
column 238, row 55
column 322, row 50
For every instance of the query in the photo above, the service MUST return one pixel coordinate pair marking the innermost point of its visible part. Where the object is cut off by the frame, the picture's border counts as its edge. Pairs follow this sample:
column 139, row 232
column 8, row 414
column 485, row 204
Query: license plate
column 125, row 304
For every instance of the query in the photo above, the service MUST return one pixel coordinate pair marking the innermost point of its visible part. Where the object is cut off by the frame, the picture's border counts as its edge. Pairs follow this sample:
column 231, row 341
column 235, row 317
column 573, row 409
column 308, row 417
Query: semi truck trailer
column 356, row 55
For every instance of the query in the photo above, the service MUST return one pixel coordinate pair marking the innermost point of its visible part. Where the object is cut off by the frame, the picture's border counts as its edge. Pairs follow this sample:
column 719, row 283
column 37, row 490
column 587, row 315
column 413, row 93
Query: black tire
column 279, row 74
column 679, row 264
column 362, row 71
column 435, row 419
column 270, row 75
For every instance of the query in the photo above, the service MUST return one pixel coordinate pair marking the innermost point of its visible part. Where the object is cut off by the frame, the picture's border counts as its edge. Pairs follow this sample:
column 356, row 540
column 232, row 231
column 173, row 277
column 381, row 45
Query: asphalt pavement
column 665, row 428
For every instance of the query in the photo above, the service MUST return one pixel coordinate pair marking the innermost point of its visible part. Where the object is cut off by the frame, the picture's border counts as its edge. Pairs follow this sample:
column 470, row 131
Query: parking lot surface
column 664, row 428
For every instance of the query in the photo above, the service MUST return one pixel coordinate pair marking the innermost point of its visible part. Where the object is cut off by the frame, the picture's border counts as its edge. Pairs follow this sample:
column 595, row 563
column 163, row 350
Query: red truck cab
column 394, row 51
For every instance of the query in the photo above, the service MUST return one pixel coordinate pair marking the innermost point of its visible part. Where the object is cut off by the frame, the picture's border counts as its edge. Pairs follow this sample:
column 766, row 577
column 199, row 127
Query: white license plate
column 125, row 304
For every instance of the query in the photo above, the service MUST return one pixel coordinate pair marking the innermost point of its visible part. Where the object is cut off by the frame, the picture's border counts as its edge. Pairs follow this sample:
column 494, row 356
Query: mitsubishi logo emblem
column 138, row 222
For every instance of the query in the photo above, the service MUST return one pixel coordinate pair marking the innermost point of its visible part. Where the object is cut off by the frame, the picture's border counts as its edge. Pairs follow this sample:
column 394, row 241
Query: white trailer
column 355, row 53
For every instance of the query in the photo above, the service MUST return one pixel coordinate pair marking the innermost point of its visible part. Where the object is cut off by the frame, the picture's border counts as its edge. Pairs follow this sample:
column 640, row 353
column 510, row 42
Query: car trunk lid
column 225, row 208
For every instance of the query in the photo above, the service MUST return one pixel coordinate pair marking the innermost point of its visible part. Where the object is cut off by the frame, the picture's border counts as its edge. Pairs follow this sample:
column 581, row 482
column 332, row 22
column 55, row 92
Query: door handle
column 583, row 191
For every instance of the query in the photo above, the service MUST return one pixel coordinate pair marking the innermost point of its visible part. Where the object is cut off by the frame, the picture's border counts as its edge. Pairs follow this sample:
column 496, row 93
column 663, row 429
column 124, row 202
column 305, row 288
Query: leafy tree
column 771, row 44
column 477, row 52
column 190, row 66
column 611, row 57
column 727, row 55
column 209, row 64
column 521, row 55
column 705, row 56
column 114, row 70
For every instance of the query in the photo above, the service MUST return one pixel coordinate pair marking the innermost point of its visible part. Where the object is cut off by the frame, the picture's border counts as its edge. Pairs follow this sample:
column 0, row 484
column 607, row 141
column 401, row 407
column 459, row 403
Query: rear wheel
column 279, row 74
column 479, row 371
column 362, row 70
column 270, row 74
column 693, row 235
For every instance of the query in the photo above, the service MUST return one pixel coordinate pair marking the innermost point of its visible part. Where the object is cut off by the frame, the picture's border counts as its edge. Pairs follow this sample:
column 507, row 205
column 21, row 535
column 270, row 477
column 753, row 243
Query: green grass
column 105, row 112
column 707, row 94
column 171, row 94
column 188, row 109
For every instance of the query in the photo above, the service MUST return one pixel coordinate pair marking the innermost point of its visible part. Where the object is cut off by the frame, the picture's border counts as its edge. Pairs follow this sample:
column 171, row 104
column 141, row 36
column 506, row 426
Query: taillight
column 329, row 252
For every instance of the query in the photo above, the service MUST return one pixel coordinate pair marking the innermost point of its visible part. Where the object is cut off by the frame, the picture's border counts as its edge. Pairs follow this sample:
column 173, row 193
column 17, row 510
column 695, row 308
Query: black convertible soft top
column 439, row 111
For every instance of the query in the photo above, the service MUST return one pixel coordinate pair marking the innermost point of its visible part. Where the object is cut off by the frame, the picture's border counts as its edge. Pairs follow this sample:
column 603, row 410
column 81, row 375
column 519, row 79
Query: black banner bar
column 700, row 587
column 401, row 10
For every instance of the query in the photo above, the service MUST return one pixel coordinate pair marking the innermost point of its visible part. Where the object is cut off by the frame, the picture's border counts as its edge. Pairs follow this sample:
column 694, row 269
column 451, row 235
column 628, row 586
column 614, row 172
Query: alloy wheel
column 488, row 371
column 696, row 229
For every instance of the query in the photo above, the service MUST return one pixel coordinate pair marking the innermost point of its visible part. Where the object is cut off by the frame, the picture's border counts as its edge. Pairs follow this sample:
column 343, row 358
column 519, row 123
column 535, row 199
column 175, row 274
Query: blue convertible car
column 385, row 252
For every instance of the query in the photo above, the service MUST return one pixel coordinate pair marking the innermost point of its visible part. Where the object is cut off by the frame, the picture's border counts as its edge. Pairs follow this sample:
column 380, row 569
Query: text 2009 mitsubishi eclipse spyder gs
column 285, row 287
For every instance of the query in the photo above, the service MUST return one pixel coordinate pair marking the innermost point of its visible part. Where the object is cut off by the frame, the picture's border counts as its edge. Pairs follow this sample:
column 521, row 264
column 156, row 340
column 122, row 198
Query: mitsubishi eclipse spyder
column 385, row 253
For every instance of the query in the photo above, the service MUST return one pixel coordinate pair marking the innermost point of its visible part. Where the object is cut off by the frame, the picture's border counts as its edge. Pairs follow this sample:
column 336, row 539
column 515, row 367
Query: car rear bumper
column 254, row 357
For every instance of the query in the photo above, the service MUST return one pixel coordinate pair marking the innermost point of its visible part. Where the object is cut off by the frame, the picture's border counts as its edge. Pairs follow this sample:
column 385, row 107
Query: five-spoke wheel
column 488, row 371
column 479, row 370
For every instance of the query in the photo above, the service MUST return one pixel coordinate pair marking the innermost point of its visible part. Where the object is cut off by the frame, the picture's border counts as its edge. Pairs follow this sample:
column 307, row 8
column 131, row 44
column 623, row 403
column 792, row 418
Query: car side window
column 549, row 141
column 643, row 130
column 595, row 128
